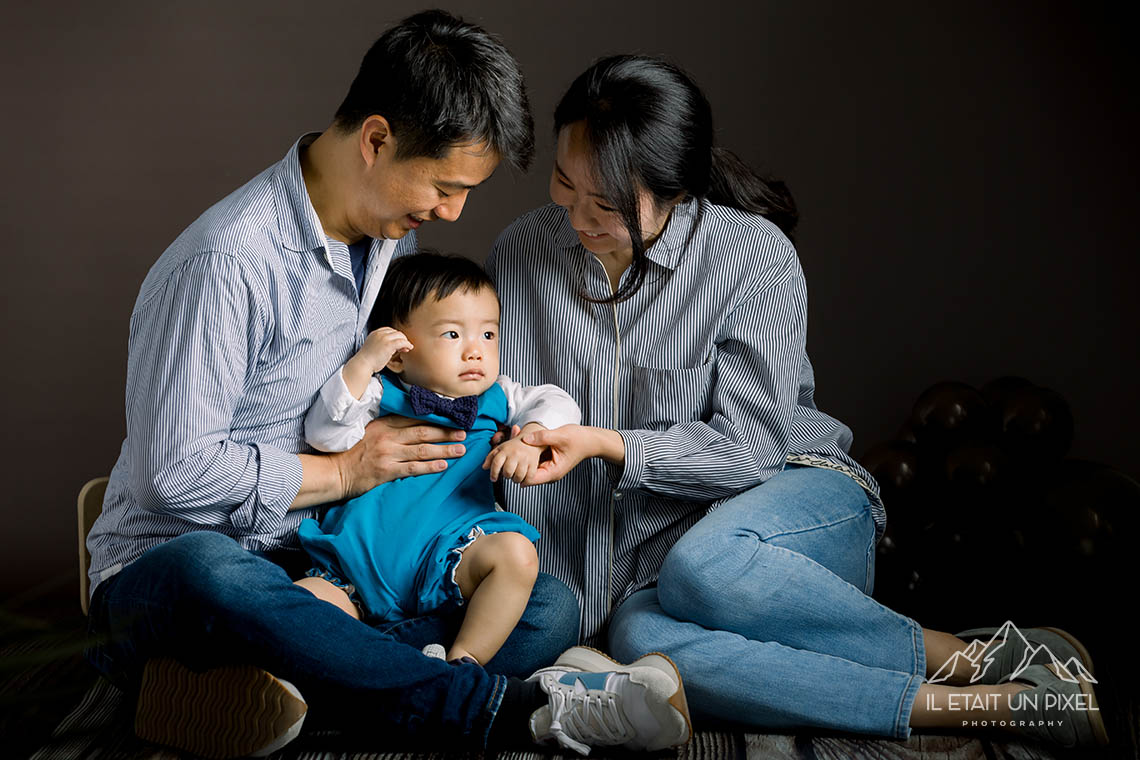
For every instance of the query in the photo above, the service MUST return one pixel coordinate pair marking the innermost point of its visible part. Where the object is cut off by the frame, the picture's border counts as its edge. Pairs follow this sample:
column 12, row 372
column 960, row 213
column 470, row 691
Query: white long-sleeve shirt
column 336, row 420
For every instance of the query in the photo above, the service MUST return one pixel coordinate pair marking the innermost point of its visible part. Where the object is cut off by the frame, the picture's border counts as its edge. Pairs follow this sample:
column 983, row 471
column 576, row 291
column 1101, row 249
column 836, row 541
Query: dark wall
column 967, row 176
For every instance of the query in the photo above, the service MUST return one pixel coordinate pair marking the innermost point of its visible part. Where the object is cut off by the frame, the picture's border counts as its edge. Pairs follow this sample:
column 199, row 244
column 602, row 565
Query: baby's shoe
column 436, row 651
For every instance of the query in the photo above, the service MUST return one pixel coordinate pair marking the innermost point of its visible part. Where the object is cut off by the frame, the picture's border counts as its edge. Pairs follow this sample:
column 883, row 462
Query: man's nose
column 451, row 207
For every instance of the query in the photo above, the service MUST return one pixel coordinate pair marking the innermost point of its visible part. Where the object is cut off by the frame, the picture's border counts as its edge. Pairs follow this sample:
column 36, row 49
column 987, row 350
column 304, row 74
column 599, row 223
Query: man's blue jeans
column 205, row 601
column 764, row 605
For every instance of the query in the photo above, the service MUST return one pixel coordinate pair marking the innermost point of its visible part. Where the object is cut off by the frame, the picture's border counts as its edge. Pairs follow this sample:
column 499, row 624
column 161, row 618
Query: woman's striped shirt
column 704, row 372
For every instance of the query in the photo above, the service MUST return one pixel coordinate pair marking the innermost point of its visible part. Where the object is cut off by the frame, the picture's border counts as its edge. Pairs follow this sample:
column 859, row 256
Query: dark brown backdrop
column 967, row 176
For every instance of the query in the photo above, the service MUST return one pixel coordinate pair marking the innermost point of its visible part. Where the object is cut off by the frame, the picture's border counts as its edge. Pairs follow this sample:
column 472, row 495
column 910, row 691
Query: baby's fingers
column 497, row 458
column 510, row 464
column 521, row 472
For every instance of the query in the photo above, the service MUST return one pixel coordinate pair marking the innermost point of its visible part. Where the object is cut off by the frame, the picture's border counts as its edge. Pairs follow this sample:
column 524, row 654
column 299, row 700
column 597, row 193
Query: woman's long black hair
column 649, row 126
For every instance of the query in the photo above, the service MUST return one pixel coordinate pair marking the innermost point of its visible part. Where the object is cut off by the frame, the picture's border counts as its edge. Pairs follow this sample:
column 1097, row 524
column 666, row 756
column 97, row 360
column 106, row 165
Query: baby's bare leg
column 496, row 575
column 322, row 589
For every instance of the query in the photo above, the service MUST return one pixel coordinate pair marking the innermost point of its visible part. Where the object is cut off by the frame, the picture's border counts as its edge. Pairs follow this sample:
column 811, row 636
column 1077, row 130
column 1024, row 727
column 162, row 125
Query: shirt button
column 618, row 494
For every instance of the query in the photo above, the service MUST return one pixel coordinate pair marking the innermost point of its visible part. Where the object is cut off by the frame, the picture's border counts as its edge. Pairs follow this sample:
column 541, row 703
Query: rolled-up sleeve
column 754, row 395
column 193, row 339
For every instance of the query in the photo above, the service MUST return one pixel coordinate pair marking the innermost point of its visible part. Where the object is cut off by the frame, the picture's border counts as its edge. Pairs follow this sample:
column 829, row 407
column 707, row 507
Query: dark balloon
column 893, row 464
column 975, row 465
column 995, row 392
column 949, row 413
column 1036, row 423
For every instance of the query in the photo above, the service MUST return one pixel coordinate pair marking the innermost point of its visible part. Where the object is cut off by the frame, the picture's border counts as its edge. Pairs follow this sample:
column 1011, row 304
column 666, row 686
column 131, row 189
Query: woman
column 662, row 291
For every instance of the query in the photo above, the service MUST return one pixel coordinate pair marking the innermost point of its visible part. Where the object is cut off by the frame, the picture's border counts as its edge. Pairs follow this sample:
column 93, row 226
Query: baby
column 417, row 544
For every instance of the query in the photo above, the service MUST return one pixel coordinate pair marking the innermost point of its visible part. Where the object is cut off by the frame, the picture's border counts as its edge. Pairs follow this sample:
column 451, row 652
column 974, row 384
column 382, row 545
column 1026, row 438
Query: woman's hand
column 568, row 446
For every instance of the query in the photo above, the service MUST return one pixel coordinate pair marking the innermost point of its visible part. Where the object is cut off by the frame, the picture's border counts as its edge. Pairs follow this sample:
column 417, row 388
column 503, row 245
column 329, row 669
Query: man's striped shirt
column 236, row 327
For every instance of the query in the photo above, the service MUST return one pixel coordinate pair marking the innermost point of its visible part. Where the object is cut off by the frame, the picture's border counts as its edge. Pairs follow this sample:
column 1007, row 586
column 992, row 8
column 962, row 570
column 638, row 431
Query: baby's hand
column 514, row 459
column 380, row 346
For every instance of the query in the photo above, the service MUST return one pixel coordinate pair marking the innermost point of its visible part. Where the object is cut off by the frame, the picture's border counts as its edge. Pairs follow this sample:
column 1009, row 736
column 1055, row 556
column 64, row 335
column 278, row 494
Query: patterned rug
column 56, row 708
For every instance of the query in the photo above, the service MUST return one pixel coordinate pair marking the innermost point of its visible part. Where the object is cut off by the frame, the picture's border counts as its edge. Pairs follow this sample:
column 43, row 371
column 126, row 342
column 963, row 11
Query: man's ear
column 376, row 136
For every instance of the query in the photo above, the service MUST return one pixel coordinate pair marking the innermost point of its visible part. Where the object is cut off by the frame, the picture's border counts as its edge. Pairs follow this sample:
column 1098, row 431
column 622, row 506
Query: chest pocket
column 666, row 397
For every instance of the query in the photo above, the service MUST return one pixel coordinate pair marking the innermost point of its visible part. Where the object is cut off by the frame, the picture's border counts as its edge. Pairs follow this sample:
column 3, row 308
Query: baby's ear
column 396, row 363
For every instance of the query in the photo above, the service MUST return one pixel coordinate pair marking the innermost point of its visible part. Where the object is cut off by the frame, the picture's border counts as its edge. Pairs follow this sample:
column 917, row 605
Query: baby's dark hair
column 414, row 278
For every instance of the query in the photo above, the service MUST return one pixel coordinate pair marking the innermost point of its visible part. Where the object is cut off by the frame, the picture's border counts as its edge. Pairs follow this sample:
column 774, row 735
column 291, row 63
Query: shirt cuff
column 279, row 476
column 633, row 473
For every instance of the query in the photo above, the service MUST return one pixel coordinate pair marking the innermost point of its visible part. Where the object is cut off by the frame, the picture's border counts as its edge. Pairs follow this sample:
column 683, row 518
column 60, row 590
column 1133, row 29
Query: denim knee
column 560, row 609
column 634, row 625
column 207, row 565
column 694, row 572
column 556, row 613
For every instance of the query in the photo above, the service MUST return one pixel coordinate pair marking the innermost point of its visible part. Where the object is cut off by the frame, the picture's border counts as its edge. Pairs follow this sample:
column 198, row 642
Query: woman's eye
column 451, row 334
column 607, row 209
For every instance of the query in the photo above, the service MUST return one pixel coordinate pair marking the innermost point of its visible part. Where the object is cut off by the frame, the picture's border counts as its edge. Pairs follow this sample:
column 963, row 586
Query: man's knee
column 201, row 562
column 554, row 608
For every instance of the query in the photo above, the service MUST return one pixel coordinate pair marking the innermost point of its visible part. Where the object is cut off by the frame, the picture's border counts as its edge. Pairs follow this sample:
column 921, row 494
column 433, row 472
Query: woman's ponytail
column 733, row 183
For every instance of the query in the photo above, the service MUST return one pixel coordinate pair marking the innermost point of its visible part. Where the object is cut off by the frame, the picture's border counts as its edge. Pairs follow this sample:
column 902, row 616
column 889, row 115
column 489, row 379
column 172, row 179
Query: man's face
column 398, row 195
column 456, row 343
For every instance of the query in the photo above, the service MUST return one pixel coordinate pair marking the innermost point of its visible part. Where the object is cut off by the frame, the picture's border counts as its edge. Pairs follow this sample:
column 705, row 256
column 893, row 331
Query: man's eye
column 451, row 334
column 443, row 194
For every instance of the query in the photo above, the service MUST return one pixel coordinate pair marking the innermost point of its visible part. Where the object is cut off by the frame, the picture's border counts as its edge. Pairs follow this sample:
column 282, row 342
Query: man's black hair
column 415, row 278
column 442, row 82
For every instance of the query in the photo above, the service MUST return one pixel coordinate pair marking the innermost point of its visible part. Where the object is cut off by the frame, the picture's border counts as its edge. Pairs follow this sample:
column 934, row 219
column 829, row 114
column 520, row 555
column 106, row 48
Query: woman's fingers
column 543, row 437
column 546, row 472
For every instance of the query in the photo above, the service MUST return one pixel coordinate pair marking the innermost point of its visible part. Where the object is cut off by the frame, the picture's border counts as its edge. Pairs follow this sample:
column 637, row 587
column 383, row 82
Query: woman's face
column 598, row 224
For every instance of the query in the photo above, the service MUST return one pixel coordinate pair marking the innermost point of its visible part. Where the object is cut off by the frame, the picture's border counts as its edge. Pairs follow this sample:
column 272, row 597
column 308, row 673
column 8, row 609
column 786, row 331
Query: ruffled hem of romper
column 454, row 557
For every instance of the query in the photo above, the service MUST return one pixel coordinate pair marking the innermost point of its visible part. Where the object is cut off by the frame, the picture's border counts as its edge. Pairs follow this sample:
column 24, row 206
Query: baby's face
column 456, row 343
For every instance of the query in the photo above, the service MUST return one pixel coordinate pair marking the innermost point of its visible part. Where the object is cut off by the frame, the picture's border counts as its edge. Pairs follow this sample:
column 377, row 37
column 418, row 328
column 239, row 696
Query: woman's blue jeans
column 205, row 601
column 764, row 605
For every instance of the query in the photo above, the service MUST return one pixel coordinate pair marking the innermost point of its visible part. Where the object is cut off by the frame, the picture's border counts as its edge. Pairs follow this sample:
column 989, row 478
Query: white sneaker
column 596, row 701
column 435, row 650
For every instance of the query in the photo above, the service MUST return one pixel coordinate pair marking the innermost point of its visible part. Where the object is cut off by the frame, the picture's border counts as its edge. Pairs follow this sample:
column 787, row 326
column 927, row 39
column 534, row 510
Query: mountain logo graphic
column 981, row 657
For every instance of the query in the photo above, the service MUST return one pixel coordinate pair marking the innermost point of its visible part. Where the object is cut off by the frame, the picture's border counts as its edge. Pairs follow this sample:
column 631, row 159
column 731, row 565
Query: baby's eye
column 451, row 334
column 489, row 335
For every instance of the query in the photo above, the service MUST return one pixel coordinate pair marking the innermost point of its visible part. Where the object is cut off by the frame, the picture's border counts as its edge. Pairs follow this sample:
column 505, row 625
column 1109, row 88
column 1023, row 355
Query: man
column 236, row 327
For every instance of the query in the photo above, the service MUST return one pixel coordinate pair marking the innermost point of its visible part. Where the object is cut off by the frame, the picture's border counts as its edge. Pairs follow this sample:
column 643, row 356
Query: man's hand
column 396, row 447
column 513, row 458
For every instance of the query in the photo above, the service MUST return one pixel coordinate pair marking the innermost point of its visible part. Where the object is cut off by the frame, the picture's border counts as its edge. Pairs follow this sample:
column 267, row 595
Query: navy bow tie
column 462, row 411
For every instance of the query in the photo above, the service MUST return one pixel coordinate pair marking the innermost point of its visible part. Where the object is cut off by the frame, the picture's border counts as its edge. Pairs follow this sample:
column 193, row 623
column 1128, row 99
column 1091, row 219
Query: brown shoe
column 232, row 711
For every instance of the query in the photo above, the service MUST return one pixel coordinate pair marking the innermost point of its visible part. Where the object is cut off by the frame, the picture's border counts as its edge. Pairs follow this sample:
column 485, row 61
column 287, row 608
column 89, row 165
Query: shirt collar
column 297, row 220
column 666, row 249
